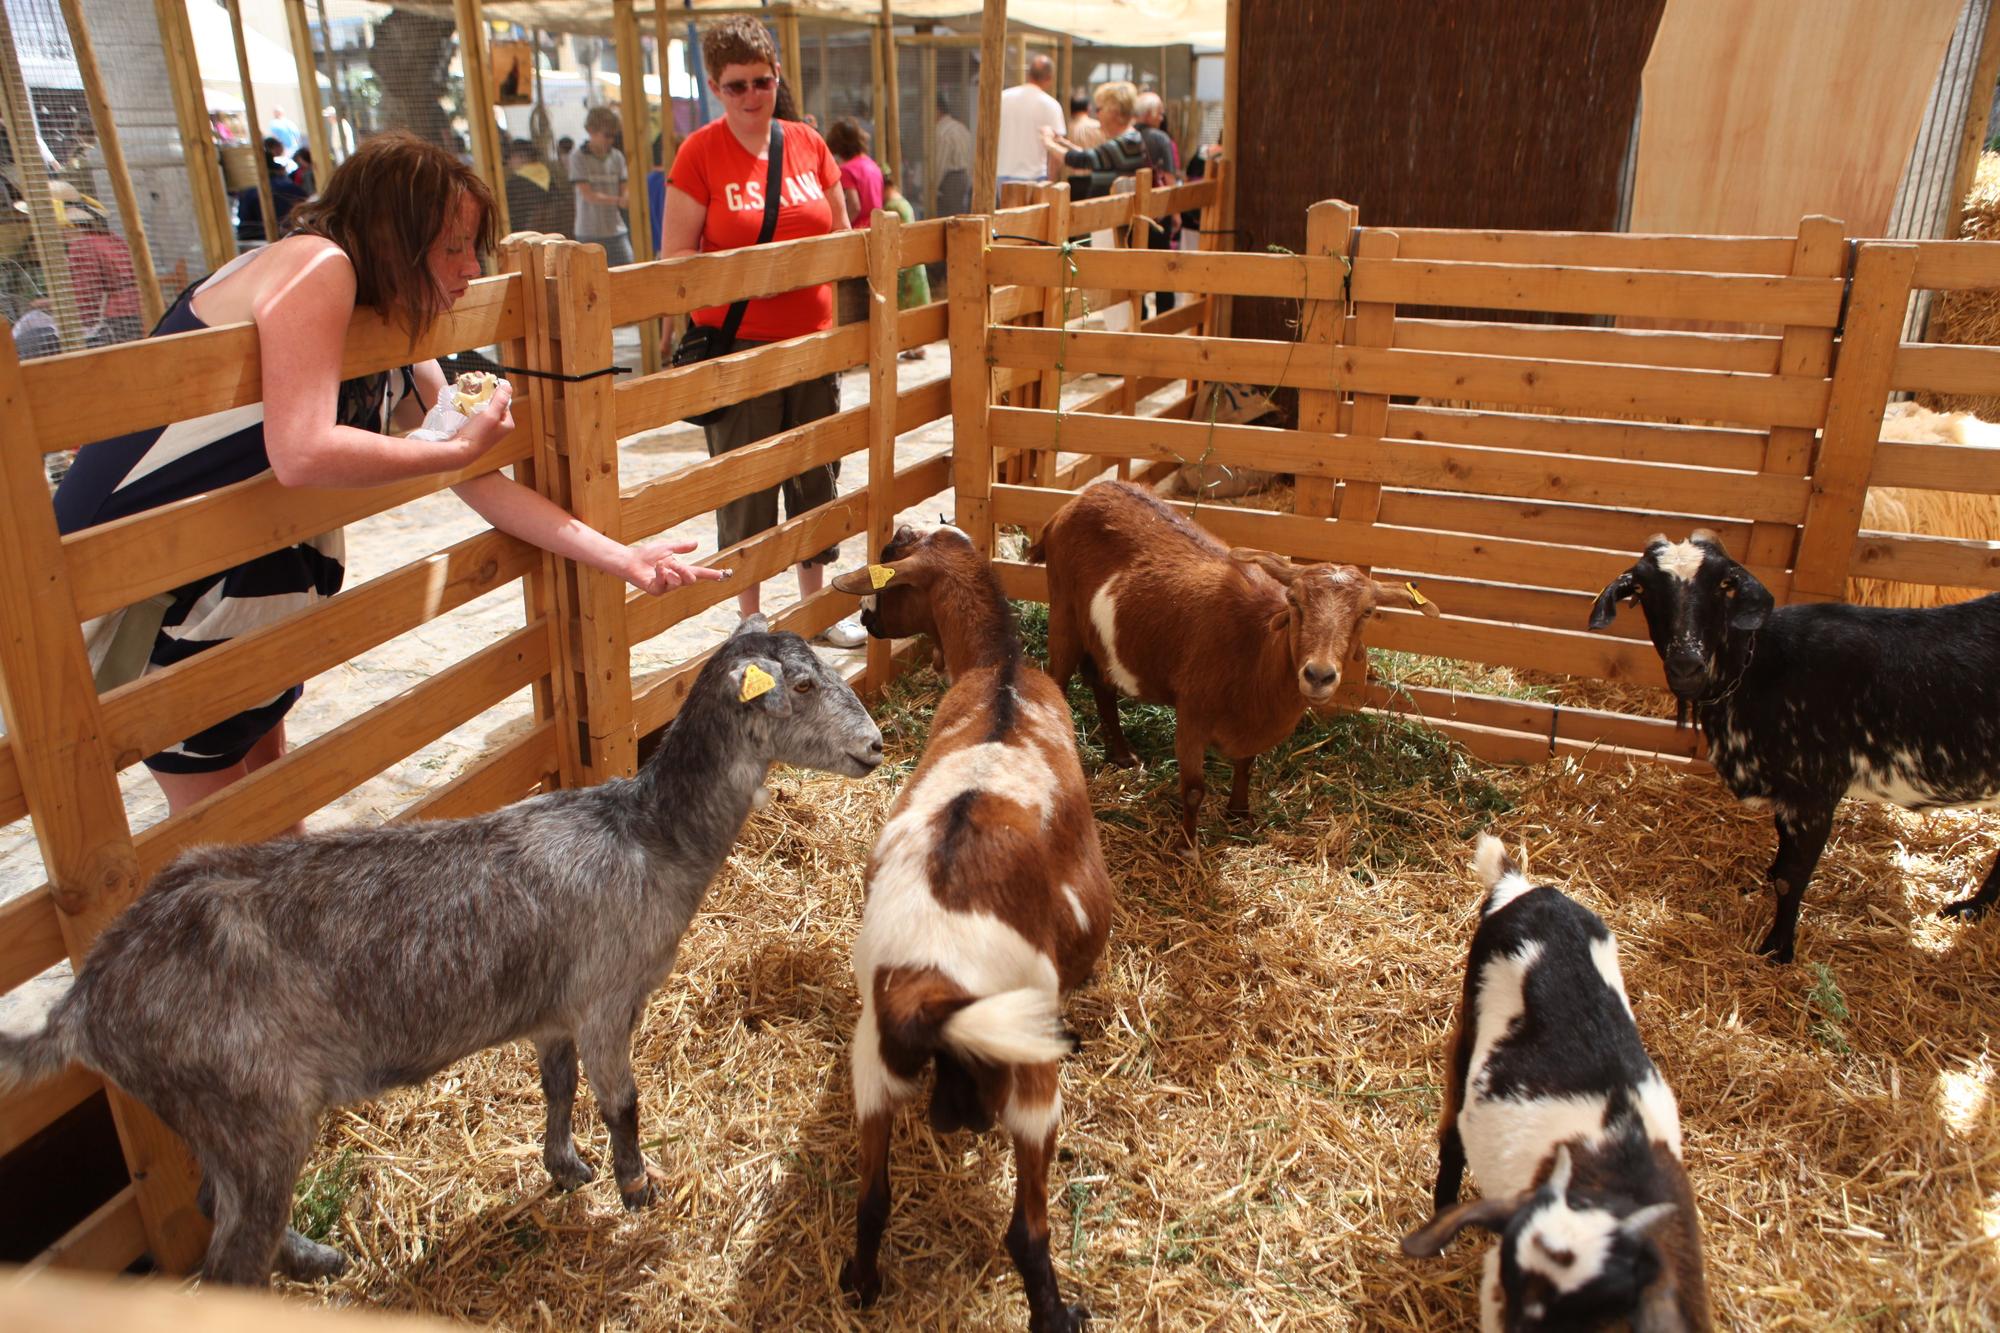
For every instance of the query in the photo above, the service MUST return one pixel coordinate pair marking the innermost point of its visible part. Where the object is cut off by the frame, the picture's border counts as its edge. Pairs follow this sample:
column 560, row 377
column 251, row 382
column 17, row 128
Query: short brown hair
column 385, row 207
column 600, row 118
column 846, row 138
column 738, row 40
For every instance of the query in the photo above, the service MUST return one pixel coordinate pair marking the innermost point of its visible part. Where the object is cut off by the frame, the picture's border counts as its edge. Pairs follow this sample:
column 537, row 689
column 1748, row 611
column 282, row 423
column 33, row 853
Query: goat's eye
column 803, row 687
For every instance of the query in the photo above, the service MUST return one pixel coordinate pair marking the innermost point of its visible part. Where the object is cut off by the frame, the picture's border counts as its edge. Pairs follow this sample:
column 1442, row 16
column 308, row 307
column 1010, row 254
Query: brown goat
column 1240, row 642
column 988, row 902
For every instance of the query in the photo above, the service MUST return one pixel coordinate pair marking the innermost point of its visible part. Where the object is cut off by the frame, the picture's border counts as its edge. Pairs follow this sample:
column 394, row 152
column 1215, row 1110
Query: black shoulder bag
column 702, row 341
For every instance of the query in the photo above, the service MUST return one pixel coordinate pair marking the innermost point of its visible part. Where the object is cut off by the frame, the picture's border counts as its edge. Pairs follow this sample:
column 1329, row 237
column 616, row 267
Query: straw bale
column 1249, row 1125
column 1933, row 513
column 1971, row 316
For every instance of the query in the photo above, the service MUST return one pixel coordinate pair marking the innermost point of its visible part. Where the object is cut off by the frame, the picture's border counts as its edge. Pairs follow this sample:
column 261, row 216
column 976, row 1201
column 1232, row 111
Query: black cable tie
column 566, row 379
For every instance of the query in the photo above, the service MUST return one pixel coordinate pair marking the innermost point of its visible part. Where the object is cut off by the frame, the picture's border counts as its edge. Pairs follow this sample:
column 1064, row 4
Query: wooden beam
column 884, row 250
column 1064, row 70
column 929, row 113
column 892, row 126
column 669, row 132
column 1231, row 79
column 151, row 303
column 1978, row 120
column 264, row 200
column 788, row 51
column 992, row 55
column 638, row 157
column 17, row 113
column 878, row 100
column 475, row 63
column 211, row 201
column 309, row 103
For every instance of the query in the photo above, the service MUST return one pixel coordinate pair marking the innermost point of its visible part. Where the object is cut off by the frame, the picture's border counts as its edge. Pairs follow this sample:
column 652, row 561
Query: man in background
column 1084, row 132
column 954, row 163
column 1024, row 110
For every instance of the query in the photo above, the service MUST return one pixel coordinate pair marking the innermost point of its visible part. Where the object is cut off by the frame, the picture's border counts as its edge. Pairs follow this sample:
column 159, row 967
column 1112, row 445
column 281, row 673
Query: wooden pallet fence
column 65, row 744
column 1584, row 441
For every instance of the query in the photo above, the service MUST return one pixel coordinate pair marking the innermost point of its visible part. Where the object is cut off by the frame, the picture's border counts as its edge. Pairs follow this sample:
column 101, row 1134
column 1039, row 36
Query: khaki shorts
column 759, row 419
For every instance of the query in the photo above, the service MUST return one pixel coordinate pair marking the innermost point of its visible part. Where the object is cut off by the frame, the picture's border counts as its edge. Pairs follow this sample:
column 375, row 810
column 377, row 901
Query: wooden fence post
column 602, row 635
column 1136, row 237
column 548, row 590
column 885, row 248
column 1818, row 253
column 1360, row 502
column 1868, row 347
column 966, row 242
column 56, row 724
column 1329, row 226
column 1055, row 314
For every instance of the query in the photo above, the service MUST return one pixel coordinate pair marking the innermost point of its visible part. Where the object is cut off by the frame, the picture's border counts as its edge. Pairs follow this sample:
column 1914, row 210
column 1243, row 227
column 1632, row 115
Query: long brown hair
column 385, row 207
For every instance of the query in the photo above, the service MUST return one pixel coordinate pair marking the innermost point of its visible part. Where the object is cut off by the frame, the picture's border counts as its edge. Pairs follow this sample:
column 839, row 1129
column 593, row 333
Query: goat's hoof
column 865, row 1289
column 571, row 1174
column 304, row 1260
column 1777, row 952
column 1965, row 909
column 642, row 1195
column 1126, row 759
column 1241, row 814
column 1068, row 1319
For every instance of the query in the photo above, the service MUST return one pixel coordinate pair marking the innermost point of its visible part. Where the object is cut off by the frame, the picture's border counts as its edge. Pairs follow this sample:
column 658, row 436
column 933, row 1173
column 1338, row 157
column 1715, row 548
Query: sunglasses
column 763, row 83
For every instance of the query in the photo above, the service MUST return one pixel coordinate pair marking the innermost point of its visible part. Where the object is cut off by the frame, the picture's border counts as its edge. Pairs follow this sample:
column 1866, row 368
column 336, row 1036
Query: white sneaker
column 845, row 633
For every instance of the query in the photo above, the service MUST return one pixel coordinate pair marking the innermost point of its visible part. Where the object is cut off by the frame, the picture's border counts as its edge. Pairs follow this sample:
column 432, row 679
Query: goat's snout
column 1687, row 670
column 1319, row 679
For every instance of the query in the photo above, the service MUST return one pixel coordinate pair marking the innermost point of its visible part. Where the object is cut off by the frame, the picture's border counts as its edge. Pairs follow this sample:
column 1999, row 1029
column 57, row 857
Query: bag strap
column 774, row 176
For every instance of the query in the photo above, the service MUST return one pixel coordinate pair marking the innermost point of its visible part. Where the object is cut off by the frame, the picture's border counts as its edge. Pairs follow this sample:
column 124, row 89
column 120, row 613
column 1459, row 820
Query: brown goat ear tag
column 756, row 681
column 880, row 574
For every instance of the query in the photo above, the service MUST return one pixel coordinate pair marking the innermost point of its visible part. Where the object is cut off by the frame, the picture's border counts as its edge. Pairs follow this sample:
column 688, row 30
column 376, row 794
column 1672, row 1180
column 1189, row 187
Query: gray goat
column 253, row 987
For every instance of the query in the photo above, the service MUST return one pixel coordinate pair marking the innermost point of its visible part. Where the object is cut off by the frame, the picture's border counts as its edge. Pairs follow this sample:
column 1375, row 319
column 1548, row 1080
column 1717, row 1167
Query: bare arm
column 850, row 199
column 680, row 229
column 301, row 330
column 520, row 512
column 837, row 202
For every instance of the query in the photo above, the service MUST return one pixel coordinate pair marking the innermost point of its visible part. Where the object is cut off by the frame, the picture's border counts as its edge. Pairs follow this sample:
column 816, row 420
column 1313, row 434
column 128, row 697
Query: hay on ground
column 1249, row 1126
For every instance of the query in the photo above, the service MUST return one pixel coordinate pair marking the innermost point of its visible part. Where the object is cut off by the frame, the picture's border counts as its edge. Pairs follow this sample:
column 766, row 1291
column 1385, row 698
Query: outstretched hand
column 654, row 569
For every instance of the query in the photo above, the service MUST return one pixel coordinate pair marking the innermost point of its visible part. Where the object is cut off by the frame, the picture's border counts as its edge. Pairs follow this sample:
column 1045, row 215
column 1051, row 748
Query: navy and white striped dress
column 131, row 474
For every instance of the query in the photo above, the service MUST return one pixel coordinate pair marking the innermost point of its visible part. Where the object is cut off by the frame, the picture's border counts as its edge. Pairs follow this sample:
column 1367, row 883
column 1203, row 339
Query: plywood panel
column 1757, row 113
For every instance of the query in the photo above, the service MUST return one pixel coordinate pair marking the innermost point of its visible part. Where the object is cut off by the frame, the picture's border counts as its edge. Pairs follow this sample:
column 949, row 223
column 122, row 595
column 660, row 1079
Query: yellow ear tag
column 1416, row 598
column 880, row 574
column 756, row 681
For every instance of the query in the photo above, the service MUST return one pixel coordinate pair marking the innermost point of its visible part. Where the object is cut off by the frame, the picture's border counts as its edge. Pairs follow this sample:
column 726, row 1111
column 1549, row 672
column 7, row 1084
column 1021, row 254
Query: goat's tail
column 1016, row 1027
column 29, row 1058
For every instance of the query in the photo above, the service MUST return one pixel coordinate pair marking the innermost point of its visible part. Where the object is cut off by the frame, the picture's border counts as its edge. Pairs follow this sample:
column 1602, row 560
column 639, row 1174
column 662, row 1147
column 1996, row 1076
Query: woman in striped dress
column 400, row 228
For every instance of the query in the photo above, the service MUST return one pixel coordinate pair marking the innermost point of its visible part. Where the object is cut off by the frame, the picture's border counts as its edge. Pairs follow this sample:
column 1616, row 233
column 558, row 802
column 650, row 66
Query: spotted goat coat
column 987, row 902
column 1572, row 1133
column 1804, row 705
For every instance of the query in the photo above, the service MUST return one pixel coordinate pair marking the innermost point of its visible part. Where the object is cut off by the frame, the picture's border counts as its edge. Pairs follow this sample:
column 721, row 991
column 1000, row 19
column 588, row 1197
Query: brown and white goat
column 1574, row 1136
column 988, row 901
column 1240, row 642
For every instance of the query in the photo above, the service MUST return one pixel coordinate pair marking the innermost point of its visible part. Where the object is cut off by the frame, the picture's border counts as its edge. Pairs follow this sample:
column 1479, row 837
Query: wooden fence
column 1573, row 443
column 551, row 309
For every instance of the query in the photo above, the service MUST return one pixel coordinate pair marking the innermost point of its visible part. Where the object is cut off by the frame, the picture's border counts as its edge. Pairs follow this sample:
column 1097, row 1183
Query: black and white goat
column 1573, row 1135
column 1803, row 705
column 251, row 988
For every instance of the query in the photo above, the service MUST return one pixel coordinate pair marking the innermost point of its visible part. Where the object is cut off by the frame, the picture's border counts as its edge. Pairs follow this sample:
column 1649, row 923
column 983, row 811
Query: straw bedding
column 1249, row 1125
column 1971, row 316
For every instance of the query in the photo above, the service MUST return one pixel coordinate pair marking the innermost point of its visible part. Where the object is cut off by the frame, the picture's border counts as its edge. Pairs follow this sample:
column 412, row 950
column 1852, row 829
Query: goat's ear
column 1429, row 1240
column 1620, row 589
column 751, row 624
column 1388, row 594
column 760, row 683
column 1750, row 602
column 871, row 579
column 1277, row 566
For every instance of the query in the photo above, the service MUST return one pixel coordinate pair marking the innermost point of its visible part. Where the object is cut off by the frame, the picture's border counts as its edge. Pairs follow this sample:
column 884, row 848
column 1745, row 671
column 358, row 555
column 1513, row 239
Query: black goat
column 1803, row 705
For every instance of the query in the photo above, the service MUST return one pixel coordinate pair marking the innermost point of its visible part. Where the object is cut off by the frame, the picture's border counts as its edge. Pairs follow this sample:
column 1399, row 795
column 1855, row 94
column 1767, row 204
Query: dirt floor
column 1249, row 1125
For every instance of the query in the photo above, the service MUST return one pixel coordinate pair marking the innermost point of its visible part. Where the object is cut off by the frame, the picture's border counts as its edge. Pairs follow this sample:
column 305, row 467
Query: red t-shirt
column 715, row 170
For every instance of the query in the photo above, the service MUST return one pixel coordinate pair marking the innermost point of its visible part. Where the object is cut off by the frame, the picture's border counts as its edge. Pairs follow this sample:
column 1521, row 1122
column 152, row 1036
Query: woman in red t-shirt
column 715, row 201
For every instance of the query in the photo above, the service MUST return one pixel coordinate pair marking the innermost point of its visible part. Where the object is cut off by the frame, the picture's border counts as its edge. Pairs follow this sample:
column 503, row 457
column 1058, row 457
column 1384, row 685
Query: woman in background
column 715, row 201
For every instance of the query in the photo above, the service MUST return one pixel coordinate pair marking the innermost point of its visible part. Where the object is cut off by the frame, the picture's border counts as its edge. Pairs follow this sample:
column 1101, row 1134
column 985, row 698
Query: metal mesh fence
column 70, row 272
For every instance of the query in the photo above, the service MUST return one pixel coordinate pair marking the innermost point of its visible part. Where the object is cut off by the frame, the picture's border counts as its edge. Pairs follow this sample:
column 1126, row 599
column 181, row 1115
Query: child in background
column 913, row 285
